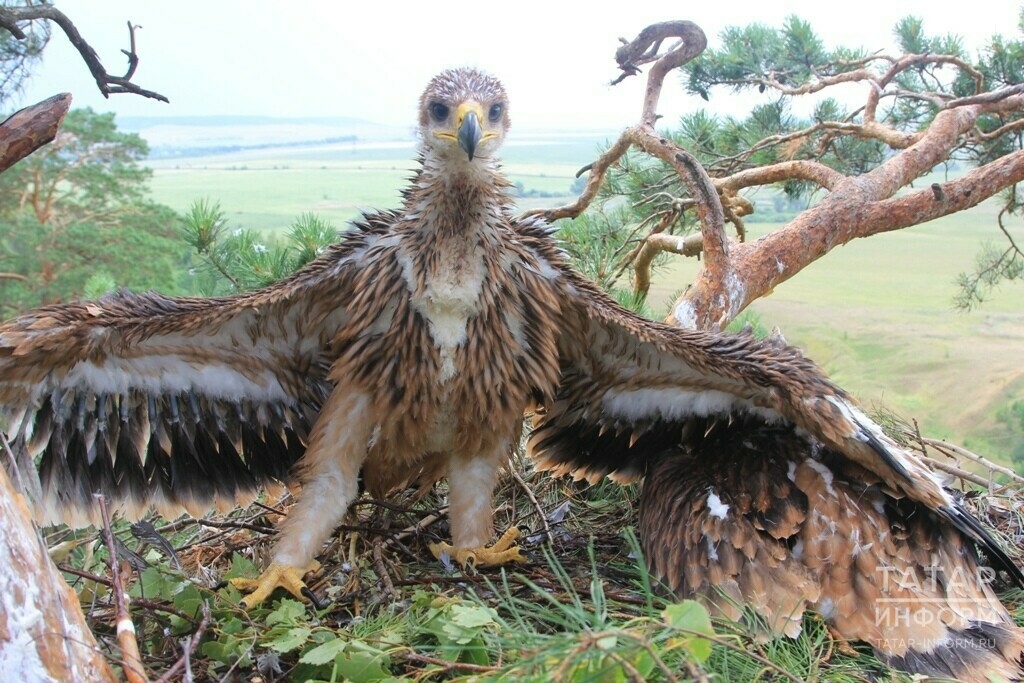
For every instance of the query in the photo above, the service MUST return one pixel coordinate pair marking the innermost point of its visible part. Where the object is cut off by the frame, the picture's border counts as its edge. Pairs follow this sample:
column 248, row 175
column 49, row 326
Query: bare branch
column 812, row 171
column 13, row 276
column 10, row 18
column 989, row 97
column 597, row 170
column 644, row 49
column 691, row 245
column 969, row 190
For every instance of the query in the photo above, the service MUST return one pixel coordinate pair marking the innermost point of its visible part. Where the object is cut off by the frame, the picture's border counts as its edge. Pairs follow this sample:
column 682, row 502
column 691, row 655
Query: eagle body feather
column 410, row 351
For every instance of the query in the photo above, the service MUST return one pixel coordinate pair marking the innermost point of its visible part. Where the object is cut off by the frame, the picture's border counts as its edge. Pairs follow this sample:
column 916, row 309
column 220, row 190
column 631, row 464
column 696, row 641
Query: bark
column 27, row 130
column 43, row 634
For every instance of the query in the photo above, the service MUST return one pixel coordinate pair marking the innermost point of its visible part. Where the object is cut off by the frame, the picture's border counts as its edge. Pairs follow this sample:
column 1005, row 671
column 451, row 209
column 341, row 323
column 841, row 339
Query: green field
column 876, row 314
column 267, row 189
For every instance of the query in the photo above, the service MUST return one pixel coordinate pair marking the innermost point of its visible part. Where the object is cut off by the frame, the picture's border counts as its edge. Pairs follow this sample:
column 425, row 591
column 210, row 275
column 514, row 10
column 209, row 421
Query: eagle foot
column 503, row 551
column 277, row 576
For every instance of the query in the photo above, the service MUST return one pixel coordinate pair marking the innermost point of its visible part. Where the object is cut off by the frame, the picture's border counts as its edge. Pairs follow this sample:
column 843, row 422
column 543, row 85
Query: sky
column 371, row 60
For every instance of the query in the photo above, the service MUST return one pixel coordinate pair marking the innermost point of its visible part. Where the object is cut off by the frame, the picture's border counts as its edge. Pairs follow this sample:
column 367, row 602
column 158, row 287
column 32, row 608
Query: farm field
column 267, row 189
column 877, row 314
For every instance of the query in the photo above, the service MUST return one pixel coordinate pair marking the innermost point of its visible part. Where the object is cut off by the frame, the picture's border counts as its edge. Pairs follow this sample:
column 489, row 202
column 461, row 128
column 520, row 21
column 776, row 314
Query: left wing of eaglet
column 180, row 403
column 631, row 386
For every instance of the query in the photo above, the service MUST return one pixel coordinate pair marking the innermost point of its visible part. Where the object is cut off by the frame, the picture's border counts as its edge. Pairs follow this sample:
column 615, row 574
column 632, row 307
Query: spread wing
column 748, row 514
column 630, row 387
column 174, row 402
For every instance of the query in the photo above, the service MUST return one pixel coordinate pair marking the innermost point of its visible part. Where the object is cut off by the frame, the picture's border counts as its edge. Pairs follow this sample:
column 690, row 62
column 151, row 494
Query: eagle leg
column 276, row 576
column 328, row 471
column 503, row 551
column 472, row 476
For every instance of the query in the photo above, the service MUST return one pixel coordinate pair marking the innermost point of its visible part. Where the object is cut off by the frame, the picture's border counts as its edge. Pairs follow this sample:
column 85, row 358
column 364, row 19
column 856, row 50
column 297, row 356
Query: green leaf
column 228, row 651
column 465, row 622
column 288, row 612
column 363, row 667
column 692, row 617
column 476, row 652
column 241, row 568
column 292, row 639
column 188, row 599
column 322, row 654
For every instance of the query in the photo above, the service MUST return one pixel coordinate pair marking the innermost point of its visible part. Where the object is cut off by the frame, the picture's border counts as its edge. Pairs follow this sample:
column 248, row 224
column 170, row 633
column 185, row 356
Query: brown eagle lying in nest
column 416, row 344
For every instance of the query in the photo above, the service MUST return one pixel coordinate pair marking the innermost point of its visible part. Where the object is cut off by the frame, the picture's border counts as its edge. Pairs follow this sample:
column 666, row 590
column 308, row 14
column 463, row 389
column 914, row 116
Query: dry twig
column 10, row 17
column 131, row 660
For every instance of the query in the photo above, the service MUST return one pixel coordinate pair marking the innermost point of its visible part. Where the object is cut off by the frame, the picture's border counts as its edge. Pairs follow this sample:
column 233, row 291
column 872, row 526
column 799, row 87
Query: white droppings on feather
column 716, row 508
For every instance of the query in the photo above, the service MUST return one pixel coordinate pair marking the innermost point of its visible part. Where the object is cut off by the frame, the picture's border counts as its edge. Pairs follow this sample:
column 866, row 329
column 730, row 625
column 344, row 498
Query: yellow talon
column 275, row 576
column 503, row 551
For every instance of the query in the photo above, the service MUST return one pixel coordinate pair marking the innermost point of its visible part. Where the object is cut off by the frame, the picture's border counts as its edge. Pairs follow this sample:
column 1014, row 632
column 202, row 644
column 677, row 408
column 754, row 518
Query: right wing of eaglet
column 179, row 403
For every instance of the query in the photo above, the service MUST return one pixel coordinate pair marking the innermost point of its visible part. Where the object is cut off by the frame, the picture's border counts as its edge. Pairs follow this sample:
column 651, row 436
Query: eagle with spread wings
column 415, row 346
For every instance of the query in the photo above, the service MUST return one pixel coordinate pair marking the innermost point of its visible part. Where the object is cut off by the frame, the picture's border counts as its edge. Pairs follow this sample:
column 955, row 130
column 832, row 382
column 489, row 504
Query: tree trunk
column 43, row 634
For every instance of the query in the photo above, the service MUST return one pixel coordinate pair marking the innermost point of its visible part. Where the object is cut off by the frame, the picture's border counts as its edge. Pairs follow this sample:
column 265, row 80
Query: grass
column 582, row 609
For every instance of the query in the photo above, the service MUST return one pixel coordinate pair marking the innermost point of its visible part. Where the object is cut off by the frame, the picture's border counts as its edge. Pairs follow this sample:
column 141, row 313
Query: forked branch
column 11, row 17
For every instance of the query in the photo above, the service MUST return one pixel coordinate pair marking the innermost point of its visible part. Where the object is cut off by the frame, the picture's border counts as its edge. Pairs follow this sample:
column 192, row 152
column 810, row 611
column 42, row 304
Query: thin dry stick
column 533, row 499
column 952, row 450
column 189, row 646
column 957, row 472
column 131, row 660
column 448, row 667
column 419, row 526
column 382, row 571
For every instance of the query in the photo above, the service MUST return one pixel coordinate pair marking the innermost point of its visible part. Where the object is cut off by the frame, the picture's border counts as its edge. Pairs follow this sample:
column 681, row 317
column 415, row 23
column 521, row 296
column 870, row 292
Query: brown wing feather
column 758, row 515
column 178, row 402
column 629, row 387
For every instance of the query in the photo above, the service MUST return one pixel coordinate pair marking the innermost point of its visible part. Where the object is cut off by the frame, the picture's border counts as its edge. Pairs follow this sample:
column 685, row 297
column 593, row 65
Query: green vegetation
column 266, row 190
column 237, row 260
column 77, row 212
column 1013, row 417
column 583, row 609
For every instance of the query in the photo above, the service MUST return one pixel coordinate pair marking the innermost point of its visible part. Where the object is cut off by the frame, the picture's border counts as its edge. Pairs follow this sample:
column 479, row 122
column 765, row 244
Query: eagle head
column 464, row 114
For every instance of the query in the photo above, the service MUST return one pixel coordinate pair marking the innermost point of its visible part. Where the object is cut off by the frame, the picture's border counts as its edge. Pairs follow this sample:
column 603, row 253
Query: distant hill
column 188, row 136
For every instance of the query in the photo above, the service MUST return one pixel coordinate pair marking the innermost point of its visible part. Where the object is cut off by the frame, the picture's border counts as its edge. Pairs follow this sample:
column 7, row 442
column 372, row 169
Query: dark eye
column 439, row 111
column 495, row 113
